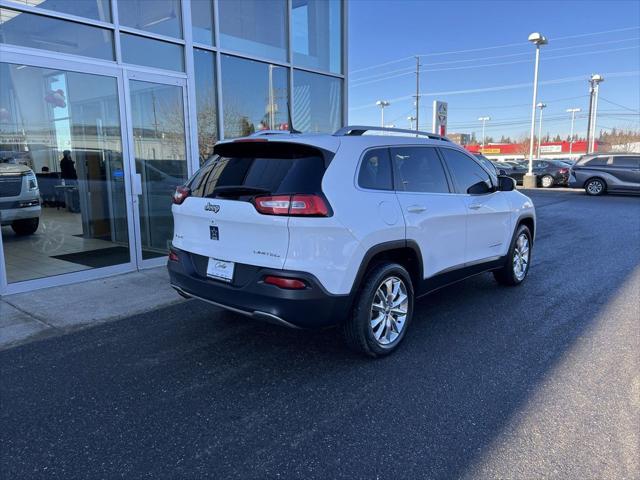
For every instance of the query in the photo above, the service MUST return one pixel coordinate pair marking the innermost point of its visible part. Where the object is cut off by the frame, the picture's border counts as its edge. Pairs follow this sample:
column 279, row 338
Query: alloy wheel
column 389, row 310
column 521, row 257
column 595, row 187
column 547, row 181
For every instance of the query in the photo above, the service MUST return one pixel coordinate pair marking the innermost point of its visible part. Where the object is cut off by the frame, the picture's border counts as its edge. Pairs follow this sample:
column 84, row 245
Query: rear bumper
column 312, row 307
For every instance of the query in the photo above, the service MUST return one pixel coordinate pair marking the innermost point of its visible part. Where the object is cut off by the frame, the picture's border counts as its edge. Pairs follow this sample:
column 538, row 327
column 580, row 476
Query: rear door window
column 242, row 171
column 594, row 162
column 418, row 169
column 375, row 170
column 628, row 162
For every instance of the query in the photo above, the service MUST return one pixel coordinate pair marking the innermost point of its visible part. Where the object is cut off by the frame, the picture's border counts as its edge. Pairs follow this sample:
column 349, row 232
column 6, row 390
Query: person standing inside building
column 67, row 168
column 69, row 179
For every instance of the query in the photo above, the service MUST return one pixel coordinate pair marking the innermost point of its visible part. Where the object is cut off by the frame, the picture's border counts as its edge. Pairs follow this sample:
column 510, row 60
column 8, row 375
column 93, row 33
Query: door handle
column 476, row 206
column 416, row 208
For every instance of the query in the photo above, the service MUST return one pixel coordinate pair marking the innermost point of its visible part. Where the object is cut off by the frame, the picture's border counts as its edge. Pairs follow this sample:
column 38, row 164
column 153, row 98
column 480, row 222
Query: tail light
column 286, row 283
column 292, row 205
column 564, row 170
column 181, row 194
column 173, row 256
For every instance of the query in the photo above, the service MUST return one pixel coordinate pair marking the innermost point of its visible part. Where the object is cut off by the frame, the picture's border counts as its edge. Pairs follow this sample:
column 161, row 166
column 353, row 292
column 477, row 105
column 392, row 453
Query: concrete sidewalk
column 51, row 311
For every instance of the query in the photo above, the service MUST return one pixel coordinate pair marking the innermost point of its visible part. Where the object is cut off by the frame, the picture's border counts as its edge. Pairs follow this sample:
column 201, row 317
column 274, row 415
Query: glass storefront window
column 157, row 113
column 202, row 21
column 151, row 53
column 255, row 96
column 256, row 27
column 206, row 106
column 317, row 101
column 317, row 34
column 163, row 17
column 38, row 31
column 95, row 9
column 62, row 191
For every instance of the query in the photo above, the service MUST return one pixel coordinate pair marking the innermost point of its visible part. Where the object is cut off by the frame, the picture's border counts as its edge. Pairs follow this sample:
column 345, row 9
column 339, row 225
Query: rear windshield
column 244, row 170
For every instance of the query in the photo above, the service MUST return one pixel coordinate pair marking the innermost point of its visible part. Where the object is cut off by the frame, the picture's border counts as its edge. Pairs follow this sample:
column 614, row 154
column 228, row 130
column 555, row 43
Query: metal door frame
column 128, row 75
column 54, row 62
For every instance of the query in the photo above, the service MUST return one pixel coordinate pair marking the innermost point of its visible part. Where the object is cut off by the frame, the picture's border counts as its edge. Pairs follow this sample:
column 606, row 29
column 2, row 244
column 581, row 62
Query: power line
column 449, row 62
column 451, row 52
column 358, row 83
column 619, row 105
column 512, row 86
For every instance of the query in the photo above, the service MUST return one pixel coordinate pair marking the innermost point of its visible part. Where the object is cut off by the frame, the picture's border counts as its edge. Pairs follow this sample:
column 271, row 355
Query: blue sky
column 382, row 31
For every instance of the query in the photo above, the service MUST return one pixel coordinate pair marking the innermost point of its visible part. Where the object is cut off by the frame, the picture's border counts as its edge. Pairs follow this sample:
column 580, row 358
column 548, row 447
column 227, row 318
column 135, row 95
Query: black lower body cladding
column 311, row 307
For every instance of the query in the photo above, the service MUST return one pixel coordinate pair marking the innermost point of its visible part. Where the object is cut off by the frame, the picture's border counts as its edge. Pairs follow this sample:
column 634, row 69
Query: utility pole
column 541, row 106
column 594, row 82
column 417, row 93
column 484, row 121
column 573, row 112
column 538, row 40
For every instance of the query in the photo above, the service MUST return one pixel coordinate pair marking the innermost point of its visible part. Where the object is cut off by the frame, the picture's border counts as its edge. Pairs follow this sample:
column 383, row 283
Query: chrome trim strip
column 267, row 317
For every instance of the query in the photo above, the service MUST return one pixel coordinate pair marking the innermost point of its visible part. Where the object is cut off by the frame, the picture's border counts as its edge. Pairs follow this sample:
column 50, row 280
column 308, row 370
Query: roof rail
column 356, row 130
column 262, row 133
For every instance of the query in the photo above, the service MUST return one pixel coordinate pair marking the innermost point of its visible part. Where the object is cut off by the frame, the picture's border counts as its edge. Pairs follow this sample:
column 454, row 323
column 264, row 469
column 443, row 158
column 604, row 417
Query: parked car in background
column 549, row 172
column 19, row 198
column 607, row 172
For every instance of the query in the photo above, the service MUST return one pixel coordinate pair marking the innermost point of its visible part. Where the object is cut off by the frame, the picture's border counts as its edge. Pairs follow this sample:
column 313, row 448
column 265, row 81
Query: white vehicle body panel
column 245, row 236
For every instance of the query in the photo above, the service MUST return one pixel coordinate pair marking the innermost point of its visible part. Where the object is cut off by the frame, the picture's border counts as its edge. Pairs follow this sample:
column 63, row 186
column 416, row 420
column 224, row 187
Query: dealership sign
column 550, row 148
column 440, row 111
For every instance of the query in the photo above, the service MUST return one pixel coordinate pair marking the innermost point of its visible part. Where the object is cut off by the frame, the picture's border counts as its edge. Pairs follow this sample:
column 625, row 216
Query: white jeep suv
column 345, row 229
column 19, row 198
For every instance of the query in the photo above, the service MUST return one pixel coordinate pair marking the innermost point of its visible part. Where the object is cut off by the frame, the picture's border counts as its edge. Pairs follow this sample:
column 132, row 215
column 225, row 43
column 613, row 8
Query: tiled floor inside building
column 60, row 233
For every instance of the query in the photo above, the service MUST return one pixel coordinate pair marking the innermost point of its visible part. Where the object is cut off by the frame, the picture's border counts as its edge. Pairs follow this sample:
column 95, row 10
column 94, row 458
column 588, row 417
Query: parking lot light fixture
column 411, row 120
column 538, row 40
column 382, row 104
column 541, row 106
column 484, row 120
column 573, row 112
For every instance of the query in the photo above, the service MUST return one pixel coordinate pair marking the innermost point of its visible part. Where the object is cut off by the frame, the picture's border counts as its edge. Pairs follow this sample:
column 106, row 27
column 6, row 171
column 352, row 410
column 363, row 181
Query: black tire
column 506, row 275
column 550, row 182
column 595, row 187
column 26, row 226
column 358, row 331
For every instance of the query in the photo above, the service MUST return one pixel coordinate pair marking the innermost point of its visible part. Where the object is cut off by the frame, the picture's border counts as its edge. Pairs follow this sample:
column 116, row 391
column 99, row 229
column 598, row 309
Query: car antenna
column 290, row 120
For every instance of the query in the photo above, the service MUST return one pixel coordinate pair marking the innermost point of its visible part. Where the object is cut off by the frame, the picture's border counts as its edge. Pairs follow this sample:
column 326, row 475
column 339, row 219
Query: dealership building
column 133, row 94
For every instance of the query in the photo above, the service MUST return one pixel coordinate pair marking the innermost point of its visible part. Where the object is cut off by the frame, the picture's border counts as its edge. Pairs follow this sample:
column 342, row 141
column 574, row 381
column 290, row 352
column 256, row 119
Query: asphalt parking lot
column 537, row 381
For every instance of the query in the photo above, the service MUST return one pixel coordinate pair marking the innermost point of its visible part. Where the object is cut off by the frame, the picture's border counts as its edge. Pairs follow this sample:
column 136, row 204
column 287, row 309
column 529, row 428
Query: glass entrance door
column 159, row 151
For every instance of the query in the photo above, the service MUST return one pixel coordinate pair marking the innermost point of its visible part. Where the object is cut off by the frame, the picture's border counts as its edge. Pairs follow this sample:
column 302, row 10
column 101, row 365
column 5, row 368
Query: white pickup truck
column 19, row 198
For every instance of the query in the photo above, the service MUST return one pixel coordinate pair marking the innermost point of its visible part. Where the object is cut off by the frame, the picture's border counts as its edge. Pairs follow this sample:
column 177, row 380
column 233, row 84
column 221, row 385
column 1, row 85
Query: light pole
column 595, row 81
column 382, row 104
column 537, row 39
column 573, row 112
column 484, row 120
column 411, row 119
column 541, row 106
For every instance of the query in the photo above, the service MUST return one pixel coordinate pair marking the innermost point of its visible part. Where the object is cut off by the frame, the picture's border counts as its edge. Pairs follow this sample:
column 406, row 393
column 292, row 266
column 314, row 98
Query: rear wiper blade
column 238, row 190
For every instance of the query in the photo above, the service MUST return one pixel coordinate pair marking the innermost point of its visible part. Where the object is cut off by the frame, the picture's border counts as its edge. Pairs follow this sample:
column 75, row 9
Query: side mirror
column 479, row 188
column 502, row 172
column 506, row 184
